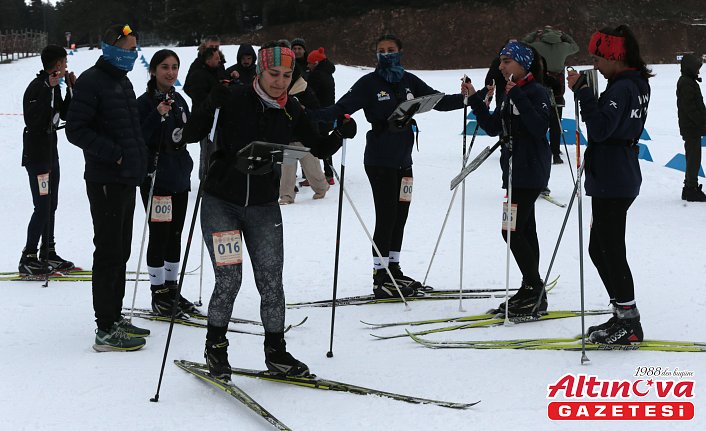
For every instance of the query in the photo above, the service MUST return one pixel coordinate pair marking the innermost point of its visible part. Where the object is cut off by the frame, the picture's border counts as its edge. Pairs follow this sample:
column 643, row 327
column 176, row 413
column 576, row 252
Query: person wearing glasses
column 104, row 121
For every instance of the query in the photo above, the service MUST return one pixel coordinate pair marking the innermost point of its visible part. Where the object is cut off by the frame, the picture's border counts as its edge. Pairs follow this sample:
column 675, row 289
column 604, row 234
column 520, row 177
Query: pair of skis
column 312, row 382
column 76, row 274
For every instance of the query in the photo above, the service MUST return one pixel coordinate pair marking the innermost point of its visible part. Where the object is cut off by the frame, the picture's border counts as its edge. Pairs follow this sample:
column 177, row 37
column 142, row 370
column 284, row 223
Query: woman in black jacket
column 240, row 200
column 522, row 122
column 163, row 114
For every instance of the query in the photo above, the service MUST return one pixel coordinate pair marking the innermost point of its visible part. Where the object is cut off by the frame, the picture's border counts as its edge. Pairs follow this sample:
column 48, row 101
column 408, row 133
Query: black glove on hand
column 346, row 129
column 218, row 96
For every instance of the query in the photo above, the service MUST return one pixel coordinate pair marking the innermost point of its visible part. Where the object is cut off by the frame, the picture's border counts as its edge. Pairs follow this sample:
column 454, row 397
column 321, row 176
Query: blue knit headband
column 520, row 53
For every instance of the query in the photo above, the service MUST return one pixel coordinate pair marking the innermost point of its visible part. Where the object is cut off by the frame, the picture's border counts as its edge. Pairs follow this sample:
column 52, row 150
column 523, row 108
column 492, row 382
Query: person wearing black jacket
column 163, row 115
column 321, row 80
column 243, row 71
column 42, row 108
column 240, row 200
column 692, row 125
column 388, row 155
column 614, row 124
column 104, row 121
column 298, row 46
column 522, row 122
column 204, row 73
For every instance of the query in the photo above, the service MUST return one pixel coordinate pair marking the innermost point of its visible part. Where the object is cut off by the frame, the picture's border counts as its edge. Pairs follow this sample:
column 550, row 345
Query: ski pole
column 47, row 228
column 175, row 304
column 199, row 303
column 329, row 354
column 561, row 130
column 579, row 172
column 148, row 213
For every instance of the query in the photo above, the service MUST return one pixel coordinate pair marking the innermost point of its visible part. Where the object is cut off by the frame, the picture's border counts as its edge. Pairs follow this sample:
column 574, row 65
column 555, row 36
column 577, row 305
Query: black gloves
column 218, row 96
column 346, row 129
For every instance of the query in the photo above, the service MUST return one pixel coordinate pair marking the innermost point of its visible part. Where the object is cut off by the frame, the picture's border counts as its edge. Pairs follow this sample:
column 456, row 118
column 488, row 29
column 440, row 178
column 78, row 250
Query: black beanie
column 299, row 41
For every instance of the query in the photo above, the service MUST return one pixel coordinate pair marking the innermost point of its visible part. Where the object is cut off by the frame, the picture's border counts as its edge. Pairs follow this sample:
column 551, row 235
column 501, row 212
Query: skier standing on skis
column 240, row 200
column 41, row 159
column 104, row 121
column 614, row 124
column 388, row 155
column 163, row 114
column 521, row 121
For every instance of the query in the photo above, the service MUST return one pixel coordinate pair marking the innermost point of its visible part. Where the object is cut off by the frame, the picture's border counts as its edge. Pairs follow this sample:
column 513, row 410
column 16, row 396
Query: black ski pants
column 112, row 209
column 692, row 149
column 523, row 240
column 41, row 224
column 607, row 247
column 165, row 237
column 390, row 213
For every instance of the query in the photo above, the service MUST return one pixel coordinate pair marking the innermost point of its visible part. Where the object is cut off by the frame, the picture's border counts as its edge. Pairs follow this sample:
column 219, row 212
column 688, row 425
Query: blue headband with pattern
column 520, row 53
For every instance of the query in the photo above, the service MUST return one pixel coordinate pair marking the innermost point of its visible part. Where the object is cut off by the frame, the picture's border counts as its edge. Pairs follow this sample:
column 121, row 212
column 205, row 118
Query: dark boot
column 624, row 331
column 384, row 288
column 163, row 300
column 216, row 353
column 406, row 280
column 54, row 260
column 278, row 360
column 606, row 325
column 693, row 194
column 30, row 265
column 529, row 300
column 185, row 305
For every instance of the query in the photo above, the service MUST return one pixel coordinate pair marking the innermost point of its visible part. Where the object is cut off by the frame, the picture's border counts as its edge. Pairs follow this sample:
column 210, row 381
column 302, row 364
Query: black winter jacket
column 614, row 123
column 104, row 121
column 246, row 74
column 174, row 165
column 244, row 118
column 200, row 80
column 38, row 140
column 690, row 102
column 322, row 82
column 525, row 114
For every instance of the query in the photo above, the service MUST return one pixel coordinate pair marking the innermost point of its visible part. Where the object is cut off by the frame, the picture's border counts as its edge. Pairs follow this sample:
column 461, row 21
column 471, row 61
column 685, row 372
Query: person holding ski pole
column 104, row 121
column 614, row 124
column 240, row 199
column 522, row 121
column 388, row 156
column 163, row 114
column 42, row 108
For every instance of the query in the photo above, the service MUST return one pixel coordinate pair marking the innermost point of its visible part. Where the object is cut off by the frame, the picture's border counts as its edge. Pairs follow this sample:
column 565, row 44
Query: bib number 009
column 512, row 215
column 406, row 189
column 228, row 248
column 161, row 209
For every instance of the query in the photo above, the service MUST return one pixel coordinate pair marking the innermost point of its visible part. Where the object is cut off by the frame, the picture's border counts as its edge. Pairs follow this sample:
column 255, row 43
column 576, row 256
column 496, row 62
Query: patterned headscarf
column 519, row 52
column 273, row 57
column 607, row 46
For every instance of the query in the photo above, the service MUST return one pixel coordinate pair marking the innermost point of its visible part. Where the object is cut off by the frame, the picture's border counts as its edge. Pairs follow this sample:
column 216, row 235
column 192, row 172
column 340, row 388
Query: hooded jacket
column 690, row 103
column 554, row 46
column 247, row 74
column 322, row 82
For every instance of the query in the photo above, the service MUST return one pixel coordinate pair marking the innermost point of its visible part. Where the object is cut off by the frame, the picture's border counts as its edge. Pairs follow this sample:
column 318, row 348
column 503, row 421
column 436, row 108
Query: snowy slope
column 50, row 378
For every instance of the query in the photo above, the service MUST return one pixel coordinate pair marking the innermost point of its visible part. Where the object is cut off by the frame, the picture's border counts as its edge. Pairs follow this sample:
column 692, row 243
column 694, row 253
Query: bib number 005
column 512, row 215
column 161, row 209
column 228, row 248
column 406, row 189
column 43, row 182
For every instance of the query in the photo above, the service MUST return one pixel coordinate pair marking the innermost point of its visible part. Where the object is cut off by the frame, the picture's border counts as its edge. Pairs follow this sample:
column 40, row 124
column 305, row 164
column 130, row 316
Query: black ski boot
column 625, row 330
column 384, row 288
column 163, row 300
column 606, row 325
column 216, row 353
column 525, row 302
column 54, row 260
column 30, row 265
column 693, row 194
column 278, row 360
column 402, row 279
column 185, row 305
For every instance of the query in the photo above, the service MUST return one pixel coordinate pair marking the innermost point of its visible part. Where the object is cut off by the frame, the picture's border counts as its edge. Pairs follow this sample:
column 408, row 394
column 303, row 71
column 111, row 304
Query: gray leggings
column 261, row 229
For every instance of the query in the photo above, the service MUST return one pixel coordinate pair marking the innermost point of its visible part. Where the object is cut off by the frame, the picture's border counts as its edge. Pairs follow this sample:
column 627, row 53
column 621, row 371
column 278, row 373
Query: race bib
column 512, row 215
column 406, row 189
column 43, row 182
column 228, row 248
column 161, row 209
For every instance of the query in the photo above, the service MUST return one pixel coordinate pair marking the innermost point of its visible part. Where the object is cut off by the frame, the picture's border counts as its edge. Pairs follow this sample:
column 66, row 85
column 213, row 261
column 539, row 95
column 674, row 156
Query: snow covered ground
column 51, row 379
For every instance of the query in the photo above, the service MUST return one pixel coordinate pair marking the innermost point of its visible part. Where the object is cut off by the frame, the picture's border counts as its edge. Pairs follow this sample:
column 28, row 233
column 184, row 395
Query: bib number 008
column 228, row 248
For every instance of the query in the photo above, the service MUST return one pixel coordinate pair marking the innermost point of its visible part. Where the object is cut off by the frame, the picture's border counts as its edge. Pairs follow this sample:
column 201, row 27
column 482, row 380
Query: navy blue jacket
column 104, row 121
column 614, row 123
column 525, row 112
column 174, row 164
column 378, row 99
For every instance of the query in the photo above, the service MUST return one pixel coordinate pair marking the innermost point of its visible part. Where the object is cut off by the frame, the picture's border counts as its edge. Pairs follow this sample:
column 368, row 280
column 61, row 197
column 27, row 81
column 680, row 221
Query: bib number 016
column 228, row 248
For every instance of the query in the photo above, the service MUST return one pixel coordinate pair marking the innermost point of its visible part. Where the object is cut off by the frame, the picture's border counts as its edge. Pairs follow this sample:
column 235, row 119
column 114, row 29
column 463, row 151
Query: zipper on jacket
column 247, row 190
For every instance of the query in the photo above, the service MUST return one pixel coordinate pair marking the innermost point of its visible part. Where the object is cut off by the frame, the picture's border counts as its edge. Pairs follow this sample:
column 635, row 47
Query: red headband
column 607, row 46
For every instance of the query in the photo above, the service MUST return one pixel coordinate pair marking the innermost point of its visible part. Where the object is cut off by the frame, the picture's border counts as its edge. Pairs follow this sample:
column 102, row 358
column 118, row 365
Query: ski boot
column 526, row 302
column 54, row 260
column 278, row 360
column 216, row 353
column 625, row 330
column 30, row 265
column 185, row 306
column 402, row 279
column 693, row 194
column 605, row 325
column 383, row 288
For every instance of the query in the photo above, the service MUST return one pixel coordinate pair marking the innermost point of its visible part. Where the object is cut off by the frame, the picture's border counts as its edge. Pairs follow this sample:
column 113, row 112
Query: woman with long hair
column 614, row 124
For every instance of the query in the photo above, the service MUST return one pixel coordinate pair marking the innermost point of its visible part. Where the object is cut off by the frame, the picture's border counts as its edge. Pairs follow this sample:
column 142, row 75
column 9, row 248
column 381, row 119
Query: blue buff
column 389, row 66
column 519, row 52
column 123, row 59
